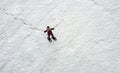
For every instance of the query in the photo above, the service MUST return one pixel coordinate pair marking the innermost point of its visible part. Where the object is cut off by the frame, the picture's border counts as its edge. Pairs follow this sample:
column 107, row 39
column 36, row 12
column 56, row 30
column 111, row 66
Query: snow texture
column 88, row 33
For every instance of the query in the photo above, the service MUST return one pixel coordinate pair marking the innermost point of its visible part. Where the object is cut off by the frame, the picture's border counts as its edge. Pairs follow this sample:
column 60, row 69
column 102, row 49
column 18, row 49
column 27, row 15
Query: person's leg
column 54, row 37
column 49, row 38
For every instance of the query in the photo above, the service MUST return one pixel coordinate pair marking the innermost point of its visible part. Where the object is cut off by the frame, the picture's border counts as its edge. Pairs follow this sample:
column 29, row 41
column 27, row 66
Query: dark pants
column 52, row 37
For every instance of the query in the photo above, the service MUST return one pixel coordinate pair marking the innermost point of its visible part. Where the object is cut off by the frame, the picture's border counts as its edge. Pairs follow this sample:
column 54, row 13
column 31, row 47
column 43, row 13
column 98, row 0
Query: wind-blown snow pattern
column 87, row 31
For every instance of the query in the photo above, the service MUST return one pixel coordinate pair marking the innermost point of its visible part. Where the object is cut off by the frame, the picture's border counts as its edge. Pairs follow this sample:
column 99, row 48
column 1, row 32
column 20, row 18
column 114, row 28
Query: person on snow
column 50, row 33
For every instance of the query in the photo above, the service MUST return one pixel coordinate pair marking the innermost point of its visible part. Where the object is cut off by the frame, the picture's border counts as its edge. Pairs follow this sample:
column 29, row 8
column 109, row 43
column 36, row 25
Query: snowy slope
column 88, row 33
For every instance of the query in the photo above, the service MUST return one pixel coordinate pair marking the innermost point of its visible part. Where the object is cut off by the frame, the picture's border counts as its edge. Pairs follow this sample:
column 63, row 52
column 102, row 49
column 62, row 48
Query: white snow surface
column 87, row 31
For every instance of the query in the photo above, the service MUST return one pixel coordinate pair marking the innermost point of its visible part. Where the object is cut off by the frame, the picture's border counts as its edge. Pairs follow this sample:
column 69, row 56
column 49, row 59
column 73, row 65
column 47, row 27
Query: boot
column 54, row 38
column 49, row 39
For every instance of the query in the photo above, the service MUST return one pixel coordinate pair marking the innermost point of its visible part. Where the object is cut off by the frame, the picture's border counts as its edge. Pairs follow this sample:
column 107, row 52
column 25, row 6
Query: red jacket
column 49, row 31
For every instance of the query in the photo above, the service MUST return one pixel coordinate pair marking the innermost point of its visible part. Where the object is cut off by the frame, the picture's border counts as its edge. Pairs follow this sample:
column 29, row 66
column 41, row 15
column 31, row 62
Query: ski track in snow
column 88, row 34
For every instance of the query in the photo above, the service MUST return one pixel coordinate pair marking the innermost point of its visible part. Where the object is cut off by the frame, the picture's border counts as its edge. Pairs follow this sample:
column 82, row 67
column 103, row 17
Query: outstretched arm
column 52, row 28
column 45, row 31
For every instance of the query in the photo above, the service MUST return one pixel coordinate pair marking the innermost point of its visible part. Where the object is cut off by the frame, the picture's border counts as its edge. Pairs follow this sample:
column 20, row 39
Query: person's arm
column 52, row 28
column 45, row 31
